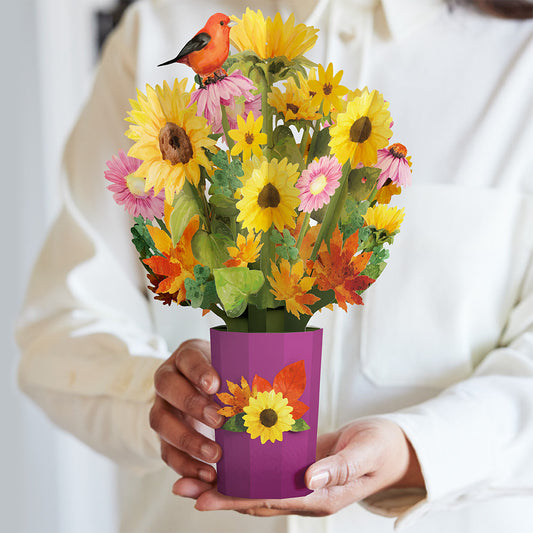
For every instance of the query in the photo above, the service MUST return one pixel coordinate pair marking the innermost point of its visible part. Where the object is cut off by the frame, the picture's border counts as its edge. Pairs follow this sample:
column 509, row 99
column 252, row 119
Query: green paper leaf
column 319, row 145
column 235, row 424
column 225, row 180
column 299, row 425
column 224, row 206
column 142, row 240
column 361, row 182
column 352, row 216
column 211, row 249
column 235, row 285
column 285, row 146
column 285, row 245
column 201, row 291
column 186, row 206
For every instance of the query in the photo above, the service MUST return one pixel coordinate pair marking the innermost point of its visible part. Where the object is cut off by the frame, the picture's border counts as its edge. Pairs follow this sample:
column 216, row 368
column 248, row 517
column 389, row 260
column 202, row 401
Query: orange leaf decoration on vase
column 290, row 381
column 236, row 399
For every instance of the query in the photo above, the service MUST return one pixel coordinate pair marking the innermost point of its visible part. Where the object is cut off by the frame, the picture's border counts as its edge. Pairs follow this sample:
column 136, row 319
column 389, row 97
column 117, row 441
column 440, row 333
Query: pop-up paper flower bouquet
column 261, row 193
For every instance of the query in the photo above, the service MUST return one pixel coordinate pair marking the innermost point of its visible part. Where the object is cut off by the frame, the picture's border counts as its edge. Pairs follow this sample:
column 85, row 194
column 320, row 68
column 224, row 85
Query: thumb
column 346, row 465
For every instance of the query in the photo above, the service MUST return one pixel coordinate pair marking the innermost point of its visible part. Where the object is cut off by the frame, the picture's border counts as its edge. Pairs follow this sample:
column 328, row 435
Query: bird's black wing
column 196, row 43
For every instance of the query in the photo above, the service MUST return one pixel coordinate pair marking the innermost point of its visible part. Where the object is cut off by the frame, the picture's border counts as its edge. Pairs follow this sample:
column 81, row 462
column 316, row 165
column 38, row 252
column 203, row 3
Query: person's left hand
column 361, row 459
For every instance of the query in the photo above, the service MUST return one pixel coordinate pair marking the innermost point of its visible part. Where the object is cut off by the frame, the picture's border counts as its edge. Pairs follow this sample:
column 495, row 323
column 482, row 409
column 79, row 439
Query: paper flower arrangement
column 276, row 182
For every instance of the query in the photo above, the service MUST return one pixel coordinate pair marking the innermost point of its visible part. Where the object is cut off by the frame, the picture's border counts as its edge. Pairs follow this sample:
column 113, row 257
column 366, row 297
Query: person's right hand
column 183, row 408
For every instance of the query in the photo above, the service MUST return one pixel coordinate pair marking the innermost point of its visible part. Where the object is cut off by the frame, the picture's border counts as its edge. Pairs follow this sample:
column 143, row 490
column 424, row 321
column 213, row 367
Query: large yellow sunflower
column 294, row 103
column 269, row 195
column 170, row 139
column 362, row 129
column 272, row 38
column 268, row 416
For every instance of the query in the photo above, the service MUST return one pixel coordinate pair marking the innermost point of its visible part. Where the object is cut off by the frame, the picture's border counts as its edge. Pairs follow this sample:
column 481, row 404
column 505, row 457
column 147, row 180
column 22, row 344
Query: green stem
column 303, row 230
column 265, row 107
column 303, row 142
column 215, row 309
column 333, row 212
column 225, row 127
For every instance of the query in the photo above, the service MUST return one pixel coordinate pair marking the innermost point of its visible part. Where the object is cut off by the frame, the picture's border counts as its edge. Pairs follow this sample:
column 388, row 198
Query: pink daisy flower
column 235, row 92
column 318, row 183
column 394, row 165
column 128, row 190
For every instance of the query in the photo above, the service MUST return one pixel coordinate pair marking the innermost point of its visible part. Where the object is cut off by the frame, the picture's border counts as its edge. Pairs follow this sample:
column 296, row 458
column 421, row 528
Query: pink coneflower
column 318, row 183
column 128, row 190
column 235, row 92
column 394, row 165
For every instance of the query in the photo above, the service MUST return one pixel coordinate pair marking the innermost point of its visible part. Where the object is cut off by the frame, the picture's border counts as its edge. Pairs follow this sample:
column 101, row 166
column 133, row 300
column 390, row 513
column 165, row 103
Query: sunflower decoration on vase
column 261, row 193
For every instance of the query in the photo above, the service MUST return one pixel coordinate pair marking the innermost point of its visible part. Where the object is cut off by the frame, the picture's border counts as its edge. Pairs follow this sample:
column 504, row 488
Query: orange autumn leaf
column 298, row 409
column 177, row 262
column 290, row 381
column 339, row 269
column 236, row 399
column 247, row 250
column 260, row 384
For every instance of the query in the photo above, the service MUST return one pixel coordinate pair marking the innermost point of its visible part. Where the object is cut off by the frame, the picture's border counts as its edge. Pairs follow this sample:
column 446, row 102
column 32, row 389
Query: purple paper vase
column 249, row 468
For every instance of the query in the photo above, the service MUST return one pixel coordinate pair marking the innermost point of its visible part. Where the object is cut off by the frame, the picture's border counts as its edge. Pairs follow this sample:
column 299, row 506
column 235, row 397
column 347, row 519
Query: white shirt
column 446, row 334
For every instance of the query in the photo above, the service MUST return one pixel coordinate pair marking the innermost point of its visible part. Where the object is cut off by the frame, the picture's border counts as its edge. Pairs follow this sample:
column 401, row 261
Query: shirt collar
column 405, row 16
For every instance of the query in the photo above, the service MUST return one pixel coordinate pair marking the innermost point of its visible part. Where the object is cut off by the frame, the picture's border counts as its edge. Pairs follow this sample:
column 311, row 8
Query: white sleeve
column 474, row 440
column 85, row 332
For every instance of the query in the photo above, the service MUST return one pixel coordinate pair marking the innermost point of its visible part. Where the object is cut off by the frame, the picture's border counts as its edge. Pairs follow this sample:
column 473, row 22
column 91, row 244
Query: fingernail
column 207, row 382
column 211, row 415
column 206, row 475
column 208, row 451
column 319, row 480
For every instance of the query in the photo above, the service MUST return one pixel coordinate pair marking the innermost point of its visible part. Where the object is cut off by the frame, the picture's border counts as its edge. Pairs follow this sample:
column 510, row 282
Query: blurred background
column 49, row 482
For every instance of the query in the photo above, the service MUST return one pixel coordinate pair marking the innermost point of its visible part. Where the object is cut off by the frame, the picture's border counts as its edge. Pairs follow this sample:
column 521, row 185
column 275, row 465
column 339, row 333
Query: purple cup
column 249, row 469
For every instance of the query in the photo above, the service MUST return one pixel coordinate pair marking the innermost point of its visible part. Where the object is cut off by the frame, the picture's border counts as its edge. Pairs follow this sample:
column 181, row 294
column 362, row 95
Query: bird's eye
column 222, row 23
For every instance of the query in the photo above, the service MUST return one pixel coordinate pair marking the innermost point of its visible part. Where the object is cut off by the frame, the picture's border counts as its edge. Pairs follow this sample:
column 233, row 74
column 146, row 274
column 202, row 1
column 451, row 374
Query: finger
column 349, row 464
column 178, row 392
column 193, row 360
column 190, row 488
column 167, row 423
column 325, row 444
column 212, row 500
column 185, row 465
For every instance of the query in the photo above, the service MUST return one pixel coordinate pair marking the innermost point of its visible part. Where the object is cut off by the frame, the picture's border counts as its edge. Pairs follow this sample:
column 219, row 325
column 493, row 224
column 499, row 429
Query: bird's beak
column 231, row 23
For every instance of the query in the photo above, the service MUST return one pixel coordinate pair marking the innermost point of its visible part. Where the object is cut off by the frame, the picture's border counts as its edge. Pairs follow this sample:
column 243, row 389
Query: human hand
column 361, row 459
column 183, row 412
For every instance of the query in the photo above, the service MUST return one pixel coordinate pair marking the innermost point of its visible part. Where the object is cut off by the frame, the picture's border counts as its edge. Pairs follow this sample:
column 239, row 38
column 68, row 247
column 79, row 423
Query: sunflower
column 248, row 136
column 294, row 103
column 327, row 89
column 268, row 416
column 272, row 38
column 170, row 139
column 269, row 195
column 383, row 217
column 362, row 129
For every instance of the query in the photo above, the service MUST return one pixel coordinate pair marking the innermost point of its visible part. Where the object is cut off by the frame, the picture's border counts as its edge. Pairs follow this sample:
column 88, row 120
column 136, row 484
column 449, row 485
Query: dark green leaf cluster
column 225, row 180
column 201, row 291
column 285, row 245
column 352, row 216
column 142, row 239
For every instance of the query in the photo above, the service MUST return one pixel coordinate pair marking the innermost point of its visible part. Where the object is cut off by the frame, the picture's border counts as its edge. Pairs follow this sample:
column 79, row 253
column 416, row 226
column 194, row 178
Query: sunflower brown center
column 249, row 138
column 293, row 107
column 268, row 417
column 361, row 130
column 268, row 197
column 327, row 88
column 175, row 144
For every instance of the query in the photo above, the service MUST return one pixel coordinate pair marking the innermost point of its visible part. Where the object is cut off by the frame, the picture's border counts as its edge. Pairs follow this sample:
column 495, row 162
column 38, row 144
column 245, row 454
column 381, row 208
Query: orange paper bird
column 206, row 52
